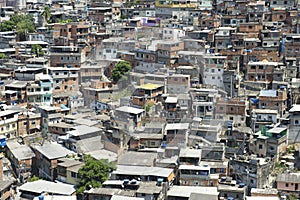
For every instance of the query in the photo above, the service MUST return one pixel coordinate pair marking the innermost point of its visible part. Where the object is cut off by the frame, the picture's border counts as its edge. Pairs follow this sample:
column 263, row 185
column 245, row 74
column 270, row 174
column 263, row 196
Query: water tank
column 126, row 181
column 241, row 185
column 159, row 181
column 41, row 197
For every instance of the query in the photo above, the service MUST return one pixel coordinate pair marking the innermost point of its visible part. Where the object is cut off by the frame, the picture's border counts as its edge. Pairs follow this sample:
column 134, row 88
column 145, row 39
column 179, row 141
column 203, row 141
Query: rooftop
column 288, row 178
column 41, row 186
column 143, row 171
column 137, row 159
column 149, row 188
column 150, row 86
column 186, row 191
column 129, row 109
column 295, row 108
column 117, row 197
column 177, row 126
column 268, row 93
column 20, row 152
column 192, row 153
column 171, row 100
column 53, row 150
column 83, row 130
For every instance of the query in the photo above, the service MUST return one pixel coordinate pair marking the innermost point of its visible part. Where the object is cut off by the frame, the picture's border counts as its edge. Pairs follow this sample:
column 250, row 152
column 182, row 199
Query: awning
column 254, row 100
column 62, row 106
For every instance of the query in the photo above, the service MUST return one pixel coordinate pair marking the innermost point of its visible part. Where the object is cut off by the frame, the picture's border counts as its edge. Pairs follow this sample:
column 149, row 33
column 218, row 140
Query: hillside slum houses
column 191, row 99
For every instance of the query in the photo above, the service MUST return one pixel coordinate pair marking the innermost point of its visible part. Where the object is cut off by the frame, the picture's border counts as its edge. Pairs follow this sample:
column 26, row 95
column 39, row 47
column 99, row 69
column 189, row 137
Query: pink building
column 288, row 182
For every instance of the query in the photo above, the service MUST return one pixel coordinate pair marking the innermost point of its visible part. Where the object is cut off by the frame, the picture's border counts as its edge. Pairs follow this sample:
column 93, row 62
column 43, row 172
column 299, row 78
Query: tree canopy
column 46, row 13
column 37, row 50
column 120, row 70
column 93, row 173
column 21, row 23
column 3, row 56
column 63, row 21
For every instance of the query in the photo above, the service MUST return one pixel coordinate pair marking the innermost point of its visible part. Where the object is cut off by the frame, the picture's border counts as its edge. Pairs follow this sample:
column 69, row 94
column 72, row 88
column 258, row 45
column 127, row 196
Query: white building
column 213, row 70
column 173, row 34
column 294, row 125
column 205, row 4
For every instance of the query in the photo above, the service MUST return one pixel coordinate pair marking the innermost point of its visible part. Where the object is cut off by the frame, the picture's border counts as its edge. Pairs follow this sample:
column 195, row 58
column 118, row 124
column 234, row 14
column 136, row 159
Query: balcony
column 54, row 115
column 194, row 176
column 10, row 120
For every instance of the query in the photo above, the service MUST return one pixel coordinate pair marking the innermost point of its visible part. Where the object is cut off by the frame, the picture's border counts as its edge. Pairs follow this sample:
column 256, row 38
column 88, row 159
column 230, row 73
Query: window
column 221, row 108
column 260, row 146
column 231, row 118
column 73, row 175
column 287, row 185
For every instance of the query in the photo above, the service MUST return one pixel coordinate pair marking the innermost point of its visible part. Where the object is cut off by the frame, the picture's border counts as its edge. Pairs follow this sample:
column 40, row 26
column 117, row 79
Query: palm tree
column 46, row 14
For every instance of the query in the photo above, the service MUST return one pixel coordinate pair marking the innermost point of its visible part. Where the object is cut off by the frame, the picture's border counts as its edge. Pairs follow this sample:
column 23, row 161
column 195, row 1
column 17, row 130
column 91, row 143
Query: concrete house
column 288, row 183
column 67, row 170
column 46, row 159
column 21, row 157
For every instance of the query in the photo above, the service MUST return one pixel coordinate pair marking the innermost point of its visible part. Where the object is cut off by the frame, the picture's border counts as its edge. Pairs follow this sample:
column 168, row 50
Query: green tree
column 64, row 21
column 123, row 17
column 120, row 70
column 21, row 23
column 93, row 173
column 34, row 178
column 3, row 56
column 7, row 25
column 37, row 50
column 46, row 14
